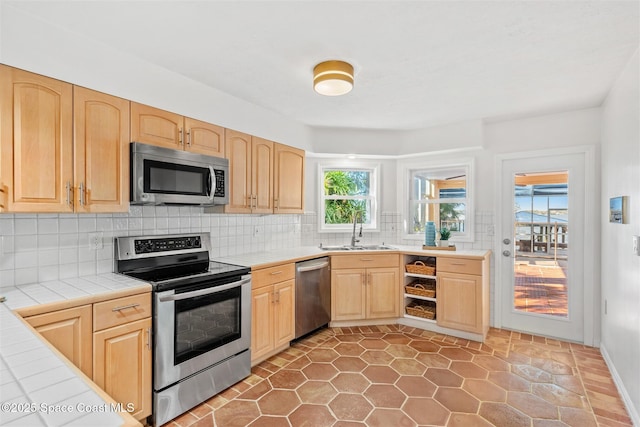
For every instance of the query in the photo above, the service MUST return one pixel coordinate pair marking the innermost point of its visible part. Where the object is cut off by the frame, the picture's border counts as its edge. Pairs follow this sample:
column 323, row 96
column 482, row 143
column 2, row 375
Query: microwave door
column 162, row 180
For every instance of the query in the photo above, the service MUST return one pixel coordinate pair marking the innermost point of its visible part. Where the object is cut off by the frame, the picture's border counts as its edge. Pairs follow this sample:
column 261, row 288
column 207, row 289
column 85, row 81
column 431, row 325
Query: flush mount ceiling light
column 333, row 78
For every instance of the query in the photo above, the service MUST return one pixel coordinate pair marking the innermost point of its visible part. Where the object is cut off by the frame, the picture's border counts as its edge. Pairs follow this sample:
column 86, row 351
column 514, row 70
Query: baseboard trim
column 628, row 403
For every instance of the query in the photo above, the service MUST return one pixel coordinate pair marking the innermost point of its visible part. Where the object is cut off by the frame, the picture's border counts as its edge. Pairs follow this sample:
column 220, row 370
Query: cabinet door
column 459, row 301
column 204, row 138
column 70, row 332
column 262, row 175
column 284, row 316
column 383, row 293
column 122, row 364
column 347, row 294
column 261, row 321
column 101, row 147
column 238, row 151
column 156, row 127
column 288, row 179
column 36, row 142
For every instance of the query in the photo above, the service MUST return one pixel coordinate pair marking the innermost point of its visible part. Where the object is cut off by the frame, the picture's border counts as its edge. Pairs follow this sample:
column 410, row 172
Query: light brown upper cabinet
column 265, row 177
column 36, row 141
column 64, row 148
column 250, row 173
column 101, row 151
column 165, row 129
column 288, row 186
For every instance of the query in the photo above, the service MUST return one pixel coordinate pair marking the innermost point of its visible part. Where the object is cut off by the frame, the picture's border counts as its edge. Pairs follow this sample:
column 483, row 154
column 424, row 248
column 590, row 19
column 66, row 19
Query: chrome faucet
column 353, row 236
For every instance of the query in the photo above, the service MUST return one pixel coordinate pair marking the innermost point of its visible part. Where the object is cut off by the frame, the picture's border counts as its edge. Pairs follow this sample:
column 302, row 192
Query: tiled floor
column 396, row 376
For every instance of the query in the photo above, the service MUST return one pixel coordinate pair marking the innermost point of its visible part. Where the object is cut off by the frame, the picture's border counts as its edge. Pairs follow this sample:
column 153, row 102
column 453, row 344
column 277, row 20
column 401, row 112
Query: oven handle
column 201, row 292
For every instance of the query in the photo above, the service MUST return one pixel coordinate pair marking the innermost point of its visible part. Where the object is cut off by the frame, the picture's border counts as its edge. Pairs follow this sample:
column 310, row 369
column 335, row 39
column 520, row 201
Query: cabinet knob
column 506, row 241
column 506, row 253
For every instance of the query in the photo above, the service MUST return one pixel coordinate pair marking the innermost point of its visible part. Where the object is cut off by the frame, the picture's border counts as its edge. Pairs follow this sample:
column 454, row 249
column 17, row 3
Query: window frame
column 406, row 169
column 374, row 196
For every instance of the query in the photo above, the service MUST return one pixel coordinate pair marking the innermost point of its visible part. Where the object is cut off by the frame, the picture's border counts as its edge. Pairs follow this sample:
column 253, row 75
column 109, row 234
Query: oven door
column 200, row 326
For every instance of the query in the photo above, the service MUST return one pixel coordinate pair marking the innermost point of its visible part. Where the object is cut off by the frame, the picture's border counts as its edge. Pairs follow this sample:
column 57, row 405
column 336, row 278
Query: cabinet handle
column 3, row 195
column 180, row 137
column 278, row 297
column 149, row 338
column 189, row 137
column 276, row 204
column 458, row 263
column 69, row 194
column 124, row 307
column 273, row 297
column 82, row 190
column 273, row 273
column 366, row 259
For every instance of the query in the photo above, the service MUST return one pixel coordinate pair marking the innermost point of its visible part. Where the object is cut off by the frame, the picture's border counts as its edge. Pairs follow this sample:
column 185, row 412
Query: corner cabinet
column 364, row 286
column 165, row 129
column 272, row 310
column 70, row 331
column 64, row 148
column 461, row 298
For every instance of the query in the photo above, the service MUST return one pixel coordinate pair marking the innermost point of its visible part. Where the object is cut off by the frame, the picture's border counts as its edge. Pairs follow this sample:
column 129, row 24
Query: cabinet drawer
column 120, row 311
column 271, row 275
column 456, row 265
column 365, row 261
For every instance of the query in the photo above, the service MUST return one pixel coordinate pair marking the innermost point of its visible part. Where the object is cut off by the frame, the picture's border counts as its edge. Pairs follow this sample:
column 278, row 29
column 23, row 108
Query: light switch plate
column 636, row 245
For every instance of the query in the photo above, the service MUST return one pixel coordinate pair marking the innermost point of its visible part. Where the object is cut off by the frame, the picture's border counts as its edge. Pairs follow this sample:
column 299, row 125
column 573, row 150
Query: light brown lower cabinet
column 272, row 310
column 70, row 332
column 110, row 341
column 122, row 365
column 365, row 287
column 364, row 293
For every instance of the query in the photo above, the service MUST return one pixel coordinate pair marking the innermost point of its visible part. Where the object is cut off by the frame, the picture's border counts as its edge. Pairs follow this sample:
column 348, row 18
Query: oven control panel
column 144, row 246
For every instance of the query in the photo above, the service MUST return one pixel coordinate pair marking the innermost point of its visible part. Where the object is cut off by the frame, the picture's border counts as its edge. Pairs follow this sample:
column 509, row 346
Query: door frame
column 591, row 296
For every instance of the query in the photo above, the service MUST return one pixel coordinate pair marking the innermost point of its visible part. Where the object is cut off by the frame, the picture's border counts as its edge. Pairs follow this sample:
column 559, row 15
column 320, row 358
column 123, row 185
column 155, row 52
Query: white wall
column 40, row 47
column 621, row 271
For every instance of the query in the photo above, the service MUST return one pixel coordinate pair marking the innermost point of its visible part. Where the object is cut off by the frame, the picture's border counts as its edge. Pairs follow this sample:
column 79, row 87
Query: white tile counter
column 37, row 387
column 280, row 256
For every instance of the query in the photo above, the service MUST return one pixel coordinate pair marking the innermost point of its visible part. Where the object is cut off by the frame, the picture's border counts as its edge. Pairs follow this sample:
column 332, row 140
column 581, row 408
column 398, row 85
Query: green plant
column 445, row 233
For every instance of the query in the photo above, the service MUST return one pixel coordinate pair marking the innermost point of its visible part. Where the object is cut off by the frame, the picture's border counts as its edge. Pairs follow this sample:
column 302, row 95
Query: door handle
column 506, row 253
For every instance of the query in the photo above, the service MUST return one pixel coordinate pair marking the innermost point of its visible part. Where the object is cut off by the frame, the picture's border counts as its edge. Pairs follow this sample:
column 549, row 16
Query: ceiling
column 417, row 63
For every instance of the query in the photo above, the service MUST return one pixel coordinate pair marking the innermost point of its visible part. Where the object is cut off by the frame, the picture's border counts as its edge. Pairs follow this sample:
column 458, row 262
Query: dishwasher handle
column 320, row 266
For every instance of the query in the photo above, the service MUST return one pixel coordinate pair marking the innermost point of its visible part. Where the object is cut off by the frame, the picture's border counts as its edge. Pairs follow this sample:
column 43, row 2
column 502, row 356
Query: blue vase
column 430, row 234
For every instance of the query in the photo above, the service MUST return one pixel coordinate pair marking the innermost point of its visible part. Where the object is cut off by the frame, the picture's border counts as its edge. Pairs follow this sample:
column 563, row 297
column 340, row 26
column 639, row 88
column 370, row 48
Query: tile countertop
column 37, row 386
column 259, row 260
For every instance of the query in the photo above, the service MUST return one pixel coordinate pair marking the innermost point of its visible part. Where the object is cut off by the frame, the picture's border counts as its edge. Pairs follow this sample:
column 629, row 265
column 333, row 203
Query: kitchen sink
column 357, row 248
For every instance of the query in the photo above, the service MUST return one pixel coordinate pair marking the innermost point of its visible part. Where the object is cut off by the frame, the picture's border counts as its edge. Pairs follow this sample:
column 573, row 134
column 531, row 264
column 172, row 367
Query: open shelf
column 420, row 276
column 420, row 297
column 422, row 319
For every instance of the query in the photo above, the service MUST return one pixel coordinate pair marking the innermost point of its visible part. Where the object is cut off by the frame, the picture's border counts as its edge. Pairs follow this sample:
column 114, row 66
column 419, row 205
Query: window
column 441, row 194
column 345, row 193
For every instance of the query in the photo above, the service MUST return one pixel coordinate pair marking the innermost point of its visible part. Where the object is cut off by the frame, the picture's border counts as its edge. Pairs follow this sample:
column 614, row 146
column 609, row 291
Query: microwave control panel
column 219, row 190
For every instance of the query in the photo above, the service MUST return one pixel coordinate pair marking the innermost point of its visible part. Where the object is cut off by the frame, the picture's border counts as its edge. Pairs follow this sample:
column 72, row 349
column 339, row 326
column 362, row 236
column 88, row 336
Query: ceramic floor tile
column 399, row 376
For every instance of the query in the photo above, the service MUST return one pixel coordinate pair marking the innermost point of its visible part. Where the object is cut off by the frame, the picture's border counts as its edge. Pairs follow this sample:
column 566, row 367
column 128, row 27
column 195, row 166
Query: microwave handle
column 212, row 182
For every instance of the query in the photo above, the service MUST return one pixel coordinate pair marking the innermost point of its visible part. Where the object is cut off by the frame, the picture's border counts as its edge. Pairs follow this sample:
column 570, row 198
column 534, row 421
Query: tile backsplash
column 42, row 247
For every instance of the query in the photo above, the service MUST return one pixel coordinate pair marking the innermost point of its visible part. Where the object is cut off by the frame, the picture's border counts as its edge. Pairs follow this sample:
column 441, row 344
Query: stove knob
column 196, row 242
column 188, row 242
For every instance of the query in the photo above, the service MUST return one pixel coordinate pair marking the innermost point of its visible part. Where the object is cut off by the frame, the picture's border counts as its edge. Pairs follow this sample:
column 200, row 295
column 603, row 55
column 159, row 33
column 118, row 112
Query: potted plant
column 445, row 233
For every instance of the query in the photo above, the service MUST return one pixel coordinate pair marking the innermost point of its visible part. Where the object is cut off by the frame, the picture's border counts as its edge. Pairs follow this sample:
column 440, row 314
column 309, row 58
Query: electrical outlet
column 256, row 231
column 95, row 241
column 490, row 230
column 636, row 245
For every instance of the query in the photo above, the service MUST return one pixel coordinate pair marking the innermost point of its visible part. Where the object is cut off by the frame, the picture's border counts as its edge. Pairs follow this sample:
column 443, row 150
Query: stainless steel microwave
column 162, row 176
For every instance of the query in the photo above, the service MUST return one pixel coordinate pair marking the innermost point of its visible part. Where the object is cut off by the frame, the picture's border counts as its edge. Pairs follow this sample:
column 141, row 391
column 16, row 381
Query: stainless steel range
column 201, row 322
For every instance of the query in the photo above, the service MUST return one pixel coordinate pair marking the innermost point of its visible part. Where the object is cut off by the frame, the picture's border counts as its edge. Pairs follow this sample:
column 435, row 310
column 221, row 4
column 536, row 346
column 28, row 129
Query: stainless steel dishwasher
column 313, row 295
